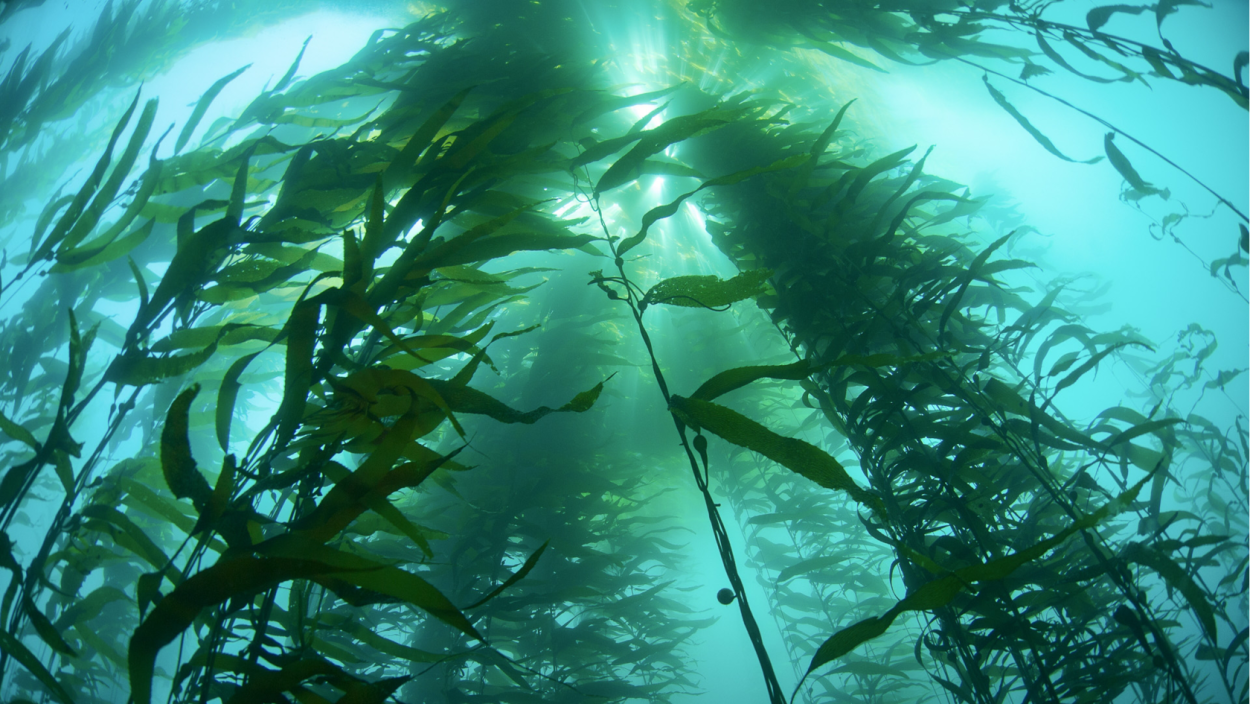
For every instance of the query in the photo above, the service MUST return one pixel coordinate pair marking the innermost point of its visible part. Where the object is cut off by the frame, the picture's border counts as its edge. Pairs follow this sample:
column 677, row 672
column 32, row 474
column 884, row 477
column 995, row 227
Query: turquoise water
column 1069, row 220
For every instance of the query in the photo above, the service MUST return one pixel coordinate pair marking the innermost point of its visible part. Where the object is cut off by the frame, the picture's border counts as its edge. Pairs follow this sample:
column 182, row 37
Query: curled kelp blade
column 660, row 212
column 181, row 473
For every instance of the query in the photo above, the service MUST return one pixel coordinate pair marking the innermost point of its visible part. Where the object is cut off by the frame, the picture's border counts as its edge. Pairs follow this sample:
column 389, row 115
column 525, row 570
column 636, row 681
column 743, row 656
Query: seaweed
column 330, row 415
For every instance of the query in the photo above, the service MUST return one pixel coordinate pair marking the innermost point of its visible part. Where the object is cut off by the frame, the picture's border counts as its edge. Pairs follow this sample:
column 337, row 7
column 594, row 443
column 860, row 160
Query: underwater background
column 635, row 350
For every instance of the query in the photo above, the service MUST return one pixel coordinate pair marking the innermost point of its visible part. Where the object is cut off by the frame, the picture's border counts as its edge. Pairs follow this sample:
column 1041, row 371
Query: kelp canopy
column 390, row 384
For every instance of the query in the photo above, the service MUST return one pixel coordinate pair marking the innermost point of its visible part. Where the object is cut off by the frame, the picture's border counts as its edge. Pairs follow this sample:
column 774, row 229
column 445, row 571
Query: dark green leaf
column 1093, row 361
column 794, row 454
column 375, row 576
column 465, row 399
column 181, row 474
column 1154, row 426
column 1098, row 16
column 1058, row 59
column 1241, row 61
column 131, row 537
column 515, row 577
column 17, row 432
column 939, row 592
column 1121, row 164
column 1235, row 645
column 239, row 576
column 1167, row 7
column 1028, row 126
column 847, row 639
column 136, row 367
column 301, row 329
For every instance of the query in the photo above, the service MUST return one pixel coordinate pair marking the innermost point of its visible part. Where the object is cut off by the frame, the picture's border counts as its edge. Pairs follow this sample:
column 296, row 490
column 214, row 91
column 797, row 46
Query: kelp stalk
column 724, row 548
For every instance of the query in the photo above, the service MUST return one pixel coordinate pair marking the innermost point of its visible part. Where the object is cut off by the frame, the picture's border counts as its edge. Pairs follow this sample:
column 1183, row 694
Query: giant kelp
column 209, row 270
column 330, row 274
column 996, row 39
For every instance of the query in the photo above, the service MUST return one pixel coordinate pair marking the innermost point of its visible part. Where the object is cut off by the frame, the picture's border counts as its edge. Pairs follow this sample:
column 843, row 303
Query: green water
column 369, row 352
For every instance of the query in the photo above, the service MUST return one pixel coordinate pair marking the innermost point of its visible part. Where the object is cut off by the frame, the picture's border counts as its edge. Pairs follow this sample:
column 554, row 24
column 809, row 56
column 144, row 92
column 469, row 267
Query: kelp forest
column 567, row 351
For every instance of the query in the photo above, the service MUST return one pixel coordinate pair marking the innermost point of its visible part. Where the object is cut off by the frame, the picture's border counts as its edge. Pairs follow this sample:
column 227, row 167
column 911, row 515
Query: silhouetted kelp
column 343, row 288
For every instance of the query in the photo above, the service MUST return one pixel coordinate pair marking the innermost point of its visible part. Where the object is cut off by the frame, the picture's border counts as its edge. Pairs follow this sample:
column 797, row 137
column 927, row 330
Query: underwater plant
column 319, row 406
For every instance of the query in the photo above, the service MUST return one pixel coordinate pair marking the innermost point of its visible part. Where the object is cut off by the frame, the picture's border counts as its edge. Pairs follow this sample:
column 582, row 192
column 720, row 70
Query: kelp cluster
column 255, row 300
column 919, row 354
column 997, row 38
column 298, row 319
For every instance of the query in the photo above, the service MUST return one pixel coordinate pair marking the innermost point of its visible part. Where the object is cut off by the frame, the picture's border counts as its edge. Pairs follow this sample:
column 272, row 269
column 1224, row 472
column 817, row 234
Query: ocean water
column 595, row 509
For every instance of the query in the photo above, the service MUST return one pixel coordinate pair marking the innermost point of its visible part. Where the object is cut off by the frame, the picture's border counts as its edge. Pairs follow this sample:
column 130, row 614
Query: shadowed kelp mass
column 387, row 383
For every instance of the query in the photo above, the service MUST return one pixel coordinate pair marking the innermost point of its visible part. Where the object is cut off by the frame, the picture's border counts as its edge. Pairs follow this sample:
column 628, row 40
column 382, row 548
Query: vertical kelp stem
column 1034, row 461
column 775, row 695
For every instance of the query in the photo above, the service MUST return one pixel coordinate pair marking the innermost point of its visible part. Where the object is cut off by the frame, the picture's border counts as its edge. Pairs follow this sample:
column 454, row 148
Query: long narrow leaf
column 201, row 107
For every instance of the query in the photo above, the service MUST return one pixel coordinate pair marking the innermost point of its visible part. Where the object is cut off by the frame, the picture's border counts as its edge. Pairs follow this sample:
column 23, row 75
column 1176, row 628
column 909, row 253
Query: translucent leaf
column 812, row 565
column 667, row 210
column 17, row 432
column 1092, row 362
column 707, row 291
column 201, row 106
column 732, row 379
column 79, row 204
column 655, row 140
